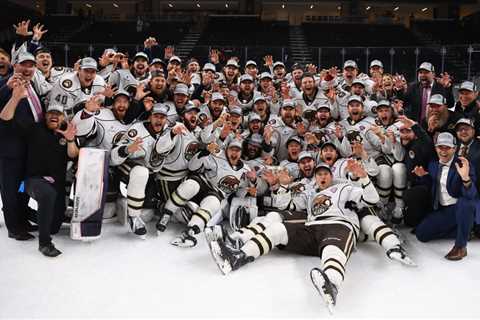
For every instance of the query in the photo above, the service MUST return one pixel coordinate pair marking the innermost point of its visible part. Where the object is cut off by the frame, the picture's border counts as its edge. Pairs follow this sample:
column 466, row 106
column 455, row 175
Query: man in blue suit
column 14, row 147
column 451, row 180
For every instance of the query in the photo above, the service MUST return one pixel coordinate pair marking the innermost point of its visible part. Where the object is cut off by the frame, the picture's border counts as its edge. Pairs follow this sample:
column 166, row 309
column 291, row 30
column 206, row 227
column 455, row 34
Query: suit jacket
column 413, row 98
column 455, row 187
column 473, row 156
column 13, row 144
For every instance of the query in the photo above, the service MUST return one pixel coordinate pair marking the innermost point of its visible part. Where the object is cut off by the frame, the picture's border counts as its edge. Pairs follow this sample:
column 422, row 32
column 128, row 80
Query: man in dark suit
column 452, row 182
column 469, row 147
column 417, row 94
column 14, row 147
column 439, row 118
column 467, row 105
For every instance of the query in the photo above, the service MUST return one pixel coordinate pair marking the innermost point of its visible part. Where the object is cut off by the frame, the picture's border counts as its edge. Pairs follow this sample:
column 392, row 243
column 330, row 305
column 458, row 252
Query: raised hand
column 214, row 56
column 284, row 177
column 179, row 129
column 213, row 148
column 419, row 171
column 38, row 32
column 169, row 51
column 70, row 132
column 463, row 169
column 269, row 177
column 141, row 92
column 268, row 61
column 445, row 80
column 21, row 28
column 311, row 68
column 407, row 122
column 109, row 91
column 94, row 103
column 19, row 90
column 356, row 168
column 148, row 103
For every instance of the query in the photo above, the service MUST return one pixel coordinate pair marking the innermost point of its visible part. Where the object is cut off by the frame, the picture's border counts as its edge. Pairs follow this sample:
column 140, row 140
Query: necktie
column 463, row 151
column 32, row 97
column 423, row 112
column 436, row 201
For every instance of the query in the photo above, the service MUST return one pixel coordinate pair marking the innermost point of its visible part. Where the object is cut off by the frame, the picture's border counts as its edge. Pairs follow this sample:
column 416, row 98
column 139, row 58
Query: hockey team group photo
column 239, row 159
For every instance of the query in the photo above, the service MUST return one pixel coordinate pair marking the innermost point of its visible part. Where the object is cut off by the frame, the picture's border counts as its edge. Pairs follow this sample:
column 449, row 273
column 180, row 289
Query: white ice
column 121, row 276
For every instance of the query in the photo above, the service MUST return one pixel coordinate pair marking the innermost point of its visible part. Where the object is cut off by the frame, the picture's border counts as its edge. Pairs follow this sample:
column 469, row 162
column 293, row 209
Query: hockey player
column 142, row 151
column 216, row 176
column 43, row 57
column 331, row 231
column 140, row 66
column 284, row 128
column 251, row 69
column 73, row 89
column 294, row 147
column 209, row 113
column 246, row 93
column 311, row 98
column 393, row 172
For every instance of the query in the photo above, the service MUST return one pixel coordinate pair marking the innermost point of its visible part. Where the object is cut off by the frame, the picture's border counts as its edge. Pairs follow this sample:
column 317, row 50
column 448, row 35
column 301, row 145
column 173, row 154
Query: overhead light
column 88, row 5
column 170, row 5
column 424, row 9
column 198, row 5
column 368, row 8
column 311, row 6
column 396, row 8
column 283, row 6
column 339, row 8
column 226, row 5
column 115, row 5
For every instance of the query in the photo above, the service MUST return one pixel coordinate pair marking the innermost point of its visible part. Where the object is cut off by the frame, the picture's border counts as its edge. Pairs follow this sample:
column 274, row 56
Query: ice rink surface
column 122, row 276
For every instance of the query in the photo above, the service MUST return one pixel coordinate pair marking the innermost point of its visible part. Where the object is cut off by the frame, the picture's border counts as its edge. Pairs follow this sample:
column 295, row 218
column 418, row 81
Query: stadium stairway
column 185, row 47
column 298, row 45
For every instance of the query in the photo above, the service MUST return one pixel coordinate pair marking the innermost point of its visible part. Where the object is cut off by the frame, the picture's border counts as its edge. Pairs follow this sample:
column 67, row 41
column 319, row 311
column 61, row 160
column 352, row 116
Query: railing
column 461, row 61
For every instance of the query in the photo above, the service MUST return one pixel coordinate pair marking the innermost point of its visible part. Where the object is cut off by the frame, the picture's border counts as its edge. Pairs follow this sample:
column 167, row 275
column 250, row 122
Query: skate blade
column 406, row 262
column 221, row 263
column 213, row 233
column 319, row 282
column 141, row 237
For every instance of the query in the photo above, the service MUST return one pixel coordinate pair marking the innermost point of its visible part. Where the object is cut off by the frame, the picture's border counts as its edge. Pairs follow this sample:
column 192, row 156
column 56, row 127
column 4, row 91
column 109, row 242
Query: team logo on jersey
column 229, row 184
column 67, row 83
column 58, row 68
column 202, row 117
column 132, row 133
column 191, row 149
column 321, row 203
column 272, row 121
column 298, row 188
column 411, row 154
column 374, row 110
column 117, row 137
column 62, row 141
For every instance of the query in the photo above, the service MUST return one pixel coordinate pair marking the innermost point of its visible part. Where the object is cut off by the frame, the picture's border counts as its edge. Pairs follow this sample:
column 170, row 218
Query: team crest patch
column 272, row 121
column 132, row 133
column 117, row 137
column 191, row 149
column 229, row 184
column 321, row 204
column 67, row 83
column 58, row 68
column 411, row 154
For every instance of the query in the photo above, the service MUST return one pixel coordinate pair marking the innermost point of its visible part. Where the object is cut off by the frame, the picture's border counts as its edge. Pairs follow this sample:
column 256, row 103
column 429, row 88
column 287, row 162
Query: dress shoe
column 49, row 250
column 22, row 236
column 456, row 254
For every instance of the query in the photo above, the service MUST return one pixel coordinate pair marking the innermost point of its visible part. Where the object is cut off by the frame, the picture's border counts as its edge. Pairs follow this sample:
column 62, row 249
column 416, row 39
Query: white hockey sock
column 384, row 183
column 208, row 206
column 137, row 183
column 185, row 191
column 376, row 229
column 265, row 241
column 333, row 262
column 399, row 183
column 259, row 224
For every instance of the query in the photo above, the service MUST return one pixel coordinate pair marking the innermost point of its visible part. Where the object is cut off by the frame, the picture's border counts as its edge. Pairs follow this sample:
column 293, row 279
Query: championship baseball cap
column 25, row 56
column 158, row 60
column 355, row 98
column 156, row 73
column 141, row 55
column 235, row 144
column 288, row 103
column 323, row 166
column 294, row 139
column 264, row 75
column 88, row 63
column 181, row 88
column 304, row 155
column 278, row 64
column 255, row 139
column 437, row 99
column 383, row 103
column 41, row 50
column 246, row 77
column 468, row 85
column 350, row 64
column 467, row 121
column 236, row 110
column 160, row 108
column 376, row 63
column 209, row 67
column 259, row 97
column 250, row 63
column 190, row 106
column 55, row 106
column 121, row 92
column 426, row 66
column 324, row 106
column 297, row 66
column 233, row 63
column 217, row 96
column 175, row 59
column 445, row 139
column 328, row 143
column 254, row 117
column 358, row 81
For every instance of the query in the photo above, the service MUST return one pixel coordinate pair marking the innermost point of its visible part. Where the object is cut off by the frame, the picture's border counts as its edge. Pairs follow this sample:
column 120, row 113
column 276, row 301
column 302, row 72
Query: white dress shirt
column 444, row 198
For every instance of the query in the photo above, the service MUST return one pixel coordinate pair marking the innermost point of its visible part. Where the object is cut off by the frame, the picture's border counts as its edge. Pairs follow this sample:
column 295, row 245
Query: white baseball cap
column 376, row 63
column 446, row 139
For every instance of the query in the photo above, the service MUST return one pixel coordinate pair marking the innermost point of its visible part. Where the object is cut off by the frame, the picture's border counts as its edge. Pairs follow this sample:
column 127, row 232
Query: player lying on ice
column 331, row 230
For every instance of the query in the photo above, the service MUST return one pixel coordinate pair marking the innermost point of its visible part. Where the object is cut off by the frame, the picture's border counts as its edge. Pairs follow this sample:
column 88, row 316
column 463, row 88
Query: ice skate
column 399, row 254
column 328, row 291
column 162, row 223
column 138, row 227
column 186, row 239
column 227, row 259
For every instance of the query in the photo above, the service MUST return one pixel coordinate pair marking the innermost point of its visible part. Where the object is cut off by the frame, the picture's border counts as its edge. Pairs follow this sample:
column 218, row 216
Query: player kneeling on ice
column 330, row 232
column 216, row 175
column 141, row 152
